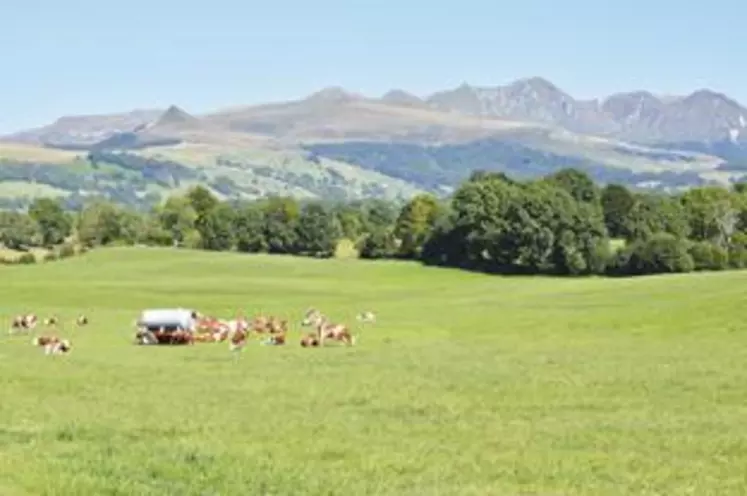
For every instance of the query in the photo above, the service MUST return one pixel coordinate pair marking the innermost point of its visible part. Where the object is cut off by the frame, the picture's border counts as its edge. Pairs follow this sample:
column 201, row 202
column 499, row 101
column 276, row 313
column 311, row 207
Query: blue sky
column 82, row 56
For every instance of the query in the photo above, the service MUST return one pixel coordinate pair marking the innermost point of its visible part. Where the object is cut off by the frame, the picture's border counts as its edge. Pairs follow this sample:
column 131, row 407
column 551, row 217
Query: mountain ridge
column 637, row 115
column 337, row 143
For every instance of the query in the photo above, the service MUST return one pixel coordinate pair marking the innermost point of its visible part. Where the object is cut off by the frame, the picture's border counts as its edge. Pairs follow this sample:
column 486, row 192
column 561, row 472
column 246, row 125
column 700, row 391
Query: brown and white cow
column 53, row 345
column 260, row 324
column 179, row 336
column 238, row 340
column 310, row 340
column 277, row 334
column 327, row 329
column 269, row 325
column 210, row 329
column 278, row 326
column 25, row 322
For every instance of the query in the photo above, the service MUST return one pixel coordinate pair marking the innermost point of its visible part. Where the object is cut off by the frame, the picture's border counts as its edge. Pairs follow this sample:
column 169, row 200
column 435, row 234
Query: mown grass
column 467, row 384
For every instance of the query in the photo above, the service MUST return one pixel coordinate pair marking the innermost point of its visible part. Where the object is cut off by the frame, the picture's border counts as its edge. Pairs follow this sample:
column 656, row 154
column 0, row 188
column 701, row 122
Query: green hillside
column 466, row 384
column 144, row 177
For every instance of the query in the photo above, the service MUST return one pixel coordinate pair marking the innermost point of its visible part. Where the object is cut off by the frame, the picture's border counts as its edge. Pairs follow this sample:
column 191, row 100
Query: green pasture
column 466, row 385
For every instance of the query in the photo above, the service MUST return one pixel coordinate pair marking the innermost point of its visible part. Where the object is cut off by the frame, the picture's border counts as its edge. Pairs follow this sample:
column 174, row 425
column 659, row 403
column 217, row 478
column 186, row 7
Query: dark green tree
column 380, row 243
column 177, row 216
column 580, row 186
column 216, row 228
column 415, row 224
column 713, row 214
column 207, row 222
column 202, row 200
column 100, row 223
column 54, row 223
column 617, row 202
column 378, row 214
column 281, row 217
column 317, row 231
column 655, row 213
column 660, row 253
column 249, row 227
column 17, row 230
column 350, row 219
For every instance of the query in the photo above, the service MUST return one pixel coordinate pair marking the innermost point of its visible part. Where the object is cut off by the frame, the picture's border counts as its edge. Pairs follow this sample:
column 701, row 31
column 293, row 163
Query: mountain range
column 340, row 144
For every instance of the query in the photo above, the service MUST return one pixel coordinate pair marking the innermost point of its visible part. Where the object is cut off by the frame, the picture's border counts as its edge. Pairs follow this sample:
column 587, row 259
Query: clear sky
column 64, row 57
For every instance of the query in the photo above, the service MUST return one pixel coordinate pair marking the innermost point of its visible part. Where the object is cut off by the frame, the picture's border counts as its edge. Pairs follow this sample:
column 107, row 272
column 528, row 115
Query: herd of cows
column 205, row 329
column 51, row 343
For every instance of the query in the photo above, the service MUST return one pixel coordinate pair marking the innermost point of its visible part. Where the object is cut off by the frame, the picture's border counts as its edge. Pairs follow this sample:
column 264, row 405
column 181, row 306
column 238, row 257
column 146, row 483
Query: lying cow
column 145, row 337
column 178, row 337
column 276, row 339
column 310, row 340
column 53, row 345
column 325, row 329
column 23, row 323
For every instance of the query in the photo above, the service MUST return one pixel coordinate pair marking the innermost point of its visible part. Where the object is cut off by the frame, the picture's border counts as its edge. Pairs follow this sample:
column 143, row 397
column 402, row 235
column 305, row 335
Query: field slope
column 467, row 384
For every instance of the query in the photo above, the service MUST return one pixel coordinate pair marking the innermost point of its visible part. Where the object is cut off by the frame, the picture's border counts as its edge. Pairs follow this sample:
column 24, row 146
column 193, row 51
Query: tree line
column 560, row 224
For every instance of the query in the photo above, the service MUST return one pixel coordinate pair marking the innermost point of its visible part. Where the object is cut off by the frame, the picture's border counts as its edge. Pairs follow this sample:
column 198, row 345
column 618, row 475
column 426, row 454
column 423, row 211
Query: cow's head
column 311, row 317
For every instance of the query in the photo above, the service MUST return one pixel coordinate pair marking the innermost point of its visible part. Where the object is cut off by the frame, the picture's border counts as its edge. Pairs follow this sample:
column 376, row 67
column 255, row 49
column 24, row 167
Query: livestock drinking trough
column 166, row 326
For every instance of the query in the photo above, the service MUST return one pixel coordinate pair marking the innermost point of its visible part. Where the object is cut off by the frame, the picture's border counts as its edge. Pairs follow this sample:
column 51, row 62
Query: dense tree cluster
column 562, row 224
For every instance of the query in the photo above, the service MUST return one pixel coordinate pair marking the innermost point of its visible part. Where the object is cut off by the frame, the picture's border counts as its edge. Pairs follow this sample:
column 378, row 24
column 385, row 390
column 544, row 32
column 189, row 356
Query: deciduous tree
column 54, row 223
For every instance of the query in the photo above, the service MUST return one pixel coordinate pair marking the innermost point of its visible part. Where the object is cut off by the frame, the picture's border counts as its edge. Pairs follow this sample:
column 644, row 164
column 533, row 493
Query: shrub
column 192, row 240
column 707, row 256
column 120, row 242
column 50, row 257
column 660, row 254
column 602, row 255
column 67, row 250
column 26, row 259
column 617, row 265
column 379, row 244
column 738, row 251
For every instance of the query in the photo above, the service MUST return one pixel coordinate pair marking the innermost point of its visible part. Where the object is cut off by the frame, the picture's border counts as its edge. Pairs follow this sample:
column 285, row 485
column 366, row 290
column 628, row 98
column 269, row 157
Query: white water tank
column 169, row 318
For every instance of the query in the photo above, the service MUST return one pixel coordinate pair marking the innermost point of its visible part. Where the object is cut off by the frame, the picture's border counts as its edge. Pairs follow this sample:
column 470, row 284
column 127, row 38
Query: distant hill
column 343, row 144
column 84, row 130
column 400, row 97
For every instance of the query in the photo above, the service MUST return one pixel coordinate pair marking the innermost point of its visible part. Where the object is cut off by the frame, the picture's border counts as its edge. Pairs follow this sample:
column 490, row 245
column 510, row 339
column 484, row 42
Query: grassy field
column 467, row 384
column 36, row 154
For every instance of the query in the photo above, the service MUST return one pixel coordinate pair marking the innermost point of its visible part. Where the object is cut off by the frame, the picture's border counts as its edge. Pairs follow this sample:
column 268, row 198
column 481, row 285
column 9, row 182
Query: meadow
column 467, row 384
